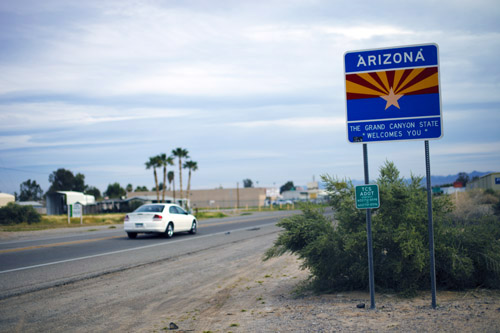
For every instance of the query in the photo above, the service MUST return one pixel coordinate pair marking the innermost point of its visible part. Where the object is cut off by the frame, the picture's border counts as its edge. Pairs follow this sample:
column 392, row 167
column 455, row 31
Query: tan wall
column 485, row 182
column 222, row 198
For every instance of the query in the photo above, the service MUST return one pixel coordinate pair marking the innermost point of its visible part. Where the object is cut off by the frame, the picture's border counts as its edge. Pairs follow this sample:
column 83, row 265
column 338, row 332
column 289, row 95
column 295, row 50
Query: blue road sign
column 393, row 94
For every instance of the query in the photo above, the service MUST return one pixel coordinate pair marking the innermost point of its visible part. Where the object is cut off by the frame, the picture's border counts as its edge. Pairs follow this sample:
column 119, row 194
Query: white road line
column 132, row 249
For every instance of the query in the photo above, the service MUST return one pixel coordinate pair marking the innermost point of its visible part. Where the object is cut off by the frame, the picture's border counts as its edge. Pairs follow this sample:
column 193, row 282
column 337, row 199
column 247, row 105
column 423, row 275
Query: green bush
column 467, row 255
column 496, row 206
column 15, row 214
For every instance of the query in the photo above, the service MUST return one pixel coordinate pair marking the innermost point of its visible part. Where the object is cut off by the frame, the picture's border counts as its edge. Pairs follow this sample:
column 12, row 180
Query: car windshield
column 149, row 209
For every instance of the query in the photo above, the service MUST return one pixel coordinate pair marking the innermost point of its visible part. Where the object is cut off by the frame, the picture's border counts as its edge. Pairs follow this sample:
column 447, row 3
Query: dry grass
column 61, row 221
column 210, row 215
column 471, row 204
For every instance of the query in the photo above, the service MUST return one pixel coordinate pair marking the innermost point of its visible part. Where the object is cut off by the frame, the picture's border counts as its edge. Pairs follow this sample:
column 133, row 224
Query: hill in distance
column 442, row 180
column 435, row 180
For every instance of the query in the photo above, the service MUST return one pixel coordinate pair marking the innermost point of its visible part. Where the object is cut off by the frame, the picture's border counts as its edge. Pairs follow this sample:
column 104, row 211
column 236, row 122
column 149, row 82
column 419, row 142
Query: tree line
column 64, row 180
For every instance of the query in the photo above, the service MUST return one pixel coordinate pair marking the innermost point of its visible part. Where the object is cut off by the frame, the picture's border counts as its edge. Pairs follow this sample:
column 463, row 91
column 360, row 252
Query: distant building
column 452, row 189
column 38, row 206
column 216, row 198
column 5, row 198
column 129, row 204
column 295, row 195
column 272, row 193
column 489, row 181
column 57, row 202
column 313, row 186
column 315, row 193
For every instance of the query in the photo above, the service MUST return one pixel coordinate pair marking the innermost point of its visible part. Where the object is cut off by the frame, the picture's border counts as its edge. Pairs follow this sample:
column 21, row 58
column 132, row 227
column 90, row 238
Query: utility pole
column 238, row 194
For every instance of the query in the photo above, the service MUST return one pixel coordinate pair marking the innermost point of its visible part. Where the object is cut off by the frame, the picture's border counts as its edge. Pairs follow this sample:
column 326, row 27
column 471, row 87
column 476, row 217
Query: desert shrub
column 496, row 208
column 495, row 202
column 312, row 237
column 472, row 205
column 467, row 254
column 14, row 214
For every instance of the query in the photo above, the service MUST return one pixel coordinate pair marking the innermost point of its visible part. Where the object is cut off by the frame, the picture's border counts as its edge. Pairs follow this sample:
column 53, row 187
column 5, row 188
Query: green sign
column 367, row 196
column 75, row 210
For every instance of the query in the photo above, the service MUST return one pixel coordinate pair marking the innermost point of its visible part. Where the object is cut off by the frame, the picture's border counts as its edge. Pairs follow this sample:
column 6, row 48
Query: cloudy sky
column 253, row 89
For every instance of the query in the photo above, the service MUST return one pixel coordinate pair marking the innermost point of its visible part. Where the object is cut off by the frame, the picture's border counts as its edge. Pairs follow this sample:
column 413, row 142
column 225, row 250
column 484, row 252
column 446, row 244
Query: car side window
column 180, row 210
column 172, row 210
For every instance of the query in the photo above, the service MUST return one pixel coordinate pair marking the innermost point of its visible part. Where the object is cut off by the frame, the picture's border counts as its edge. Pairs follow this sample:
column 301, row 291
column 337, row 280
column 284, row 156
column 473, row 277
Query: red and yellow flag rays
column 403, row 82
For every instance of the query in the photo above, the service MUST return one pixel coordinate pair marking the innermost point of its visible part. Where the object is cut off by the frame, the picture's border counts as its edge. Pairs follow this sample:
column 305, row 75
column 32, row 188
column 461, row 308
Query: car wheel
column 132, row 235
column 169, row 232
column 194, row 228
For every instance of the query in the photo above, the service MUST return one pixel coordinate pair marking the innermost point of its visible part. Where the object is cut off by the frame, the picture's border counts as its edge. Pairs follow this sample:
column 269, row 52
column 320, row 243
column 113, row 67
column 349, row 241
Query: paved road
column 57, row 258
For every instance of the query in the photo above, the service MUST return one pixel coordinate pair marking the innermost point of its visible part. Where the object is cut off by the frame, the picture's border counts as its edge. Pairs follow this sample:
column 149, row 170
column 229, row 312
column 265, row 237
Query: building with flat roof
column 489, row 181
column 216, row 198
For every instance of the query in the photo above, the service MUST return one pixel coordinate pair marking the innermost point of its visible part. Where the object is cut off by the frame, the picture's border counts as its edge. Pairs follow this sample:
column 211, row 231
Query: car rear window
column 150, row 209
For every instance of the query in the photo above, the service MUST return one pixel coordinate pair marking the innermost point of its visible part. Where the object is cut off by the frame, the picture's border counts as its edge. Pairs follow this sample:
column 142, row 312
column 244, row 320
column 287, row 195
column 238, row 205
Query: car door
column 182, row 220
column 186, row 217
column 174, row 217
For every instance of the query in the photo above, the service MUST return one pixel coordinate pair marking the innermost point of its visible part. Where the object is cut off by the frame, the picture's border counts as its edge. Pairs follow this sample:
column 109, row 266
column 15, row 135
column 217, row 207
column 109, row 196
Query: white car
column 160, row 218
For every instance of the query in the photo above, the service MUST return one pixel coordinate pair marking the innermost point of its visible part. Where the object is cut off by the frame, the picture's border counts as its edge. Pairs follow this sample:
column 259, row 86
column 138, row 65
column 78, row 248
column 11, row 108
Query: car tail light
column 126, row 218
column 157, row 218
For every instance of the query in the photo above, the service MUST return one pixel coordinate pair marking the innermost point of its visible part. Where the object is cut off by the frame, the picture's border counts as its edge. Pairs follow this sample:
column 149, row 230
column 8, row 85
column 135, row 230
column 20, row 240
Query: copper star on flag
column 392, row 99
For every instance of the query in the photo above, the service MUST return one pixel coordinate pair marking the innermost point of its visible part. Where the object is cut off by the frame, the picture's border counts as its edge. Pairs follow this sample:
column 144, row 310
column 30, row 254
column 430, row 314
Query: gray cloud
column 99, row 87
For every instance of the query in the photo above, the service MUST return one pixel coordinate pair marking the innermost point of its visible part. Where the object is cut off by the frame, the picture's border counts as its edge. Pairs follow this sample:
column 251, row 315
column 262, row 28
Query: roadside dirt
column 229, row 289
column 262, row 299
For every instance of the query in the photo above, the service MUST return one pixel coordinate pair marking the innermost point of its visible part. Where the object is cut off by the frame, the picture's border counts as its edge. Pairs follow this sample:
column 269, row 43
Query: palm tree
column 180, row 153
column 154, row 163
column 191, row 166
column 164, row 161
column 170, row 177
column 173, row 184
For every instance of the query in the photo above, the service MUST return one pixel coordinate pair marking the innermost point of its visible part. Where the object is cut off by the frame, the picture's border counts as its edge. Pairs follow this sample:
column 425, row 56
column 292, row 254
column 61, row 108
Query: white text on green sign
column 367, row 196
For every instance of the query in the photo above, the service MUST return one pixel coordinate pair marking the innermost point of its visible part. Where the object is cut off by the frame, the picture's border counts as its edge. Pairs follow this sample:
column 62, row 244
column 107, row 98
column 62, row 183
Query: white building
column 5, row 198
column 57, row 202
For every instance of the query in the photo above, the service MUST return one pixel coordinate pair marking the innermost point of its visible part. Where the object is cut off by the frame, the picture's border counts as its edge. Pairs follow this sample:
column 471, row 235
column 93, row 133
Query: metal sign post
column 371, row 274
column 393, row 94
column 430, row 223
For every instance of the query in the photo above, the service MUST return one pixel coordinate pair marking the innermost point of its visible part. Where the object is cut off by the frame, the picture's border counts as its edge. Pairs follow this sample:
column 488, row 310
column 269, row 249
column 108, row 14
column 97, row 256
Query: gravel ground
column 229, row 288
column 265, row 301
